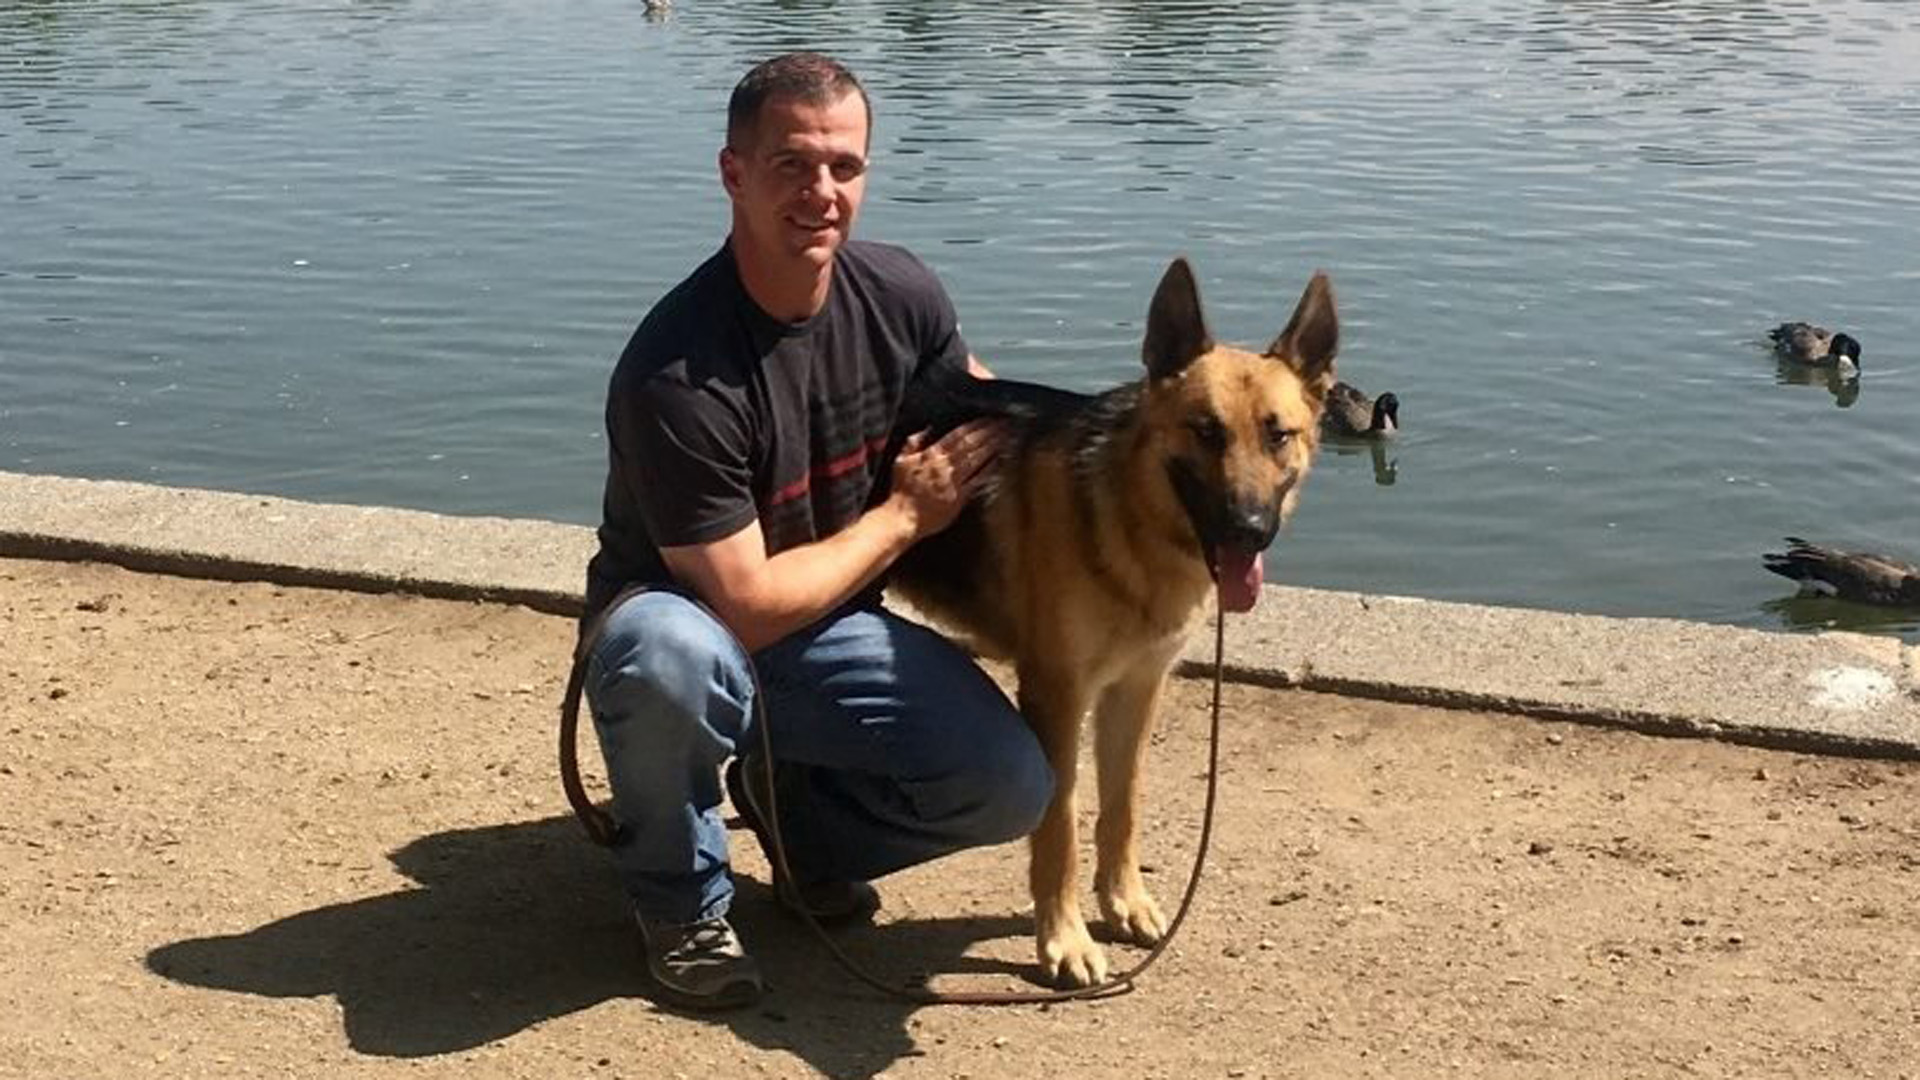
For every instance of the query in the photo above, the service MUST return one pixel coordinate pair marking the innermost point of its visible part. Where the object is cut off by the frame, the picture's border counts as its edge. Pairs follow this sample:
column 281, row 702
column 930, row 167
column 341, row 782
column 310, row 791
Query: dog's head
column 1235, row 430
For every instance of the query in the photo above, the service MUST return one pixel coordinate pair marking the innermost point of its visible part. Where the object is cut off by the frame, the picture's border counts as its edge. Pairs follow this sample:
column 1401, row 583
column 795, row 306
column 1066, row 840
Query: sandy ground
column 255, row 831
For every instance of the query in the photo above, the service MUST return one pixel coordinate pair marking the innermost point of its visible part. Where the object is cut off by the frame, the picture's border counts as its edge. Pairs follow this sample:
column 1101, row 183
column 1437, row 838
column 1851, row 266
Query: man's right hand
column 932, row 482
column 765, row 597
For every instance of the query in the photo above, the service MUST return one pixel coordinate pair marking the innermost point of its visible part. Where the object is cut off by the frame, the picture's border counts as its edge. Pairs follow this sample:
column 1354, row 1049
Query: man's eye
column 845, row 171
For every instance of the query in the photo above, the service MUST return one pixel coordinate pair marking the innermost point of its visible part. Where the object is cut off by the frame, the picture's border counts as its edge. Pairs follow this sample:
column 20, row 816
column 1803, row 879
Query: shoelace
column 709, row 940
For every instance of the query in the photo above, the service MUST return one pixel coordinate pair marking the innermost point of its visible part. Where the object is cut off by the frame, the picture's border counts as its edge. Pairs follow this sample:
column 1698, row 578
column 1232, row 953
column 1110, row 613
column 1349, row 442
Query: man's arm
column 764, row 599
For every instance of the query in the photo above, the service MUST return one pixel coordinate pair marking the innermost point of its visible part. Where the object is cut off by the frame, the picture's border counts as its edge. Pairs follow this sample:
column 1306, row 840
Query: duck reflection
column 1844, row 388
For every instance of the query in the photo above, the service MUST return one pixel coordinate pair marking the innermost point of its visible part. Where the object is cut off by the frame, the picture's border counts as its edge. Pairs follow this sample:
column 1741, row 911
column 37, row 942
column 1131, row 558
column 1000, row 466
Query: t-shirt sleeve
column 938, row 324
column 947, row 348
column 688, row 456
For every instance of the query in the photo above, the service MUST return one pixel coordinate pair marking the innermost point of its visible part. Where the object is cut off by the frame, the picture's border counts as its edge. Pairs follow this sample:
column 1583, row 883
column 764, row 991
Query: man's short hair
column 806, row 77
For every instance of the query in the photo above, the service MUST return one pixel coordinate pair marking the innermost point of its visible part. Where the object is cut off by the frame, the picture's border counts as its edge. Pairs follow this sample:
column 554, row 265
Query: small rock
column 1762, row 774
column 1540, row 847
column 1554, row 738
column 1000, row 1041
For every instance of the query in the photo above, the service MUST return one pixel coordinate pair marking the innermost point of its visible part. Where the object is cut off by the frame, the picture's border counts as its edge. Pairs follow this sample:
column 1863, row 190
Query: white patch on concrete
column 1850, row 688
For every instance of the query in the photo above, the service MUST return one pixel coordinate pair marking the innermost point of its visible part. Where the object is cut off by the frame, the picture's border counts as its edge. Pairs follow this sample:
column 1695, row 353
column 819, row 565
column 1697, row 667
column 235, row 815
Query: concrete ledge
column 1833, row 692
column 232, row 537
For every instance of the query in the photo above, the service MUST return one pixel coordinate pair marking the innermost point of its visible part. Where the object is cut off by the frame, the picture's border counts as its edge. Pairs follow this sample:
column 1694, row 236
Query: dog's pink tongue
column 1240, row 577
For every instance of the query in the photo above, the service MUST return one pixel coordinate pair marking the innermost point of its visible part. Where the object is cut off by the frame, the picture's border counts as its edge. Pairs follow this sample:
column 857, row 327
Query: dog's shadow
column 515, row 924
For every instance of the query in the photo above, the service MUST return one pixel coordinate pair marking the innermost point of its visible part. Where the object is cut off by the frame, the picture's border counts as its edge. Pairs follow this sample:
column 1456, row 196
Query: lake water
column 385, row 252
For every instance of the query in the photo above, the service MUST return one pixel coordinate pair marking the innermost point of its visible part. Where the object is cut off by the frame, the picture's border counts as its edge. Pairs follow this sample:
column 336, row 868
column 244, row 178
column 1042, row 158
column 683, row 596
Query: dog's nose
column 1251, row 528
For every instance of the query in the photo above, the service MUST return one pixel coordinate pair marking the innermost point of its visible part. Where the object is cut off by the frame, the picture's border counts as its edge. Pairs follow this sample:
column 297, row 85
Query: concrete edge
column 1672, row 725
column 1832, row 693
column 213, row 567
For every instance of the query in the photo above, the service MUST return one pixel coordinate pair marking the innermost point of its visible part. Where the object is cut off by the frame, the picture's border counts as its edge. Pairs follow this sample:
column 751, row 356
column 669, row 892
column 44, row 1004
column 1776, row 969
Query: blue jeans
column 892, row 746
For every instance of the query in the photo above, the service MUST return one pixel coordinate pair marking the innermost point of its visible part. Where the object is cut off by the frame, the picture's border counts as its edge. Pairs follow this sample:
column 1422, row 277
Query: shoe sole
column 736, row 996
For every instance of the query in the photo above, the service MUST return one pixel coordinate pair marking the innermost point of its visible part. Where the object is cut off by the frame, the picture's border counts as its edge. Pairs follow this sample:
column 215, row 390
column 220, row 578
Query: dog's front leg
column 1122, row 721
column 1053, row 703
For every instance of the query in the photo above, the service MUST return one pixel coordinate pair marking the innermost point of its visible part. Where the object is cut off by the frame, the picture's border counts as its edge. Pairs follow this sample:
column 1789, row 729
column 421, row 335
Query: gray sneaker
column 701, row 965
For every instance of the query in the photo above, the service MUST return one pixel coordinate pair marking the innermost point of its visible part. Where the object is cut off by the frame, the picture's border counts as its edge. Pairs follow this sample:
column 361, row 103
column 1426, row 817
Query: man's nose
column 820, row 183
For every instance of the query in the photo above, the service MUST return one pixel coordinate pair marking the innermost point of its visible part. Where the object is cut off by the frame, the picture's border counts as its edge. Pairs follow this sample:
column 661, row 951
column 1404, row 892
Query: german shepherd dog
column 1109, row 520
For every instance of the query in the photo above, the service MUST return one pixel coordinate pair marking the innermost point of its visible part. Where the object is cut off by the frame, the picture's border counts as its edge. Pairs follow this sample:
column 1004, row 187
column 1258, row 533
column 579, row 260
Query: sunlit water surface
column 385, row 252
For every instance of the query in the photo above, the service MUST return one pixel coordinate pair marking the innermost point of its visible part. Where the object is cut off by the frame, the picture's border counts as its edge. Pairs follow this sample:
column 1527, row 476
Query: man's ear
column 732, row 171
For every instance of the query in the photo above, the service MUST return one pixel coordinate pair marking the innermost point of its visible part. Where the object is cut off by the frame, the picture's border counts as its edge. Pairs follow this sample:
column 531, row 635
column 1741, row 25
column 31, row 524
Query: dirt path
column 252, row 831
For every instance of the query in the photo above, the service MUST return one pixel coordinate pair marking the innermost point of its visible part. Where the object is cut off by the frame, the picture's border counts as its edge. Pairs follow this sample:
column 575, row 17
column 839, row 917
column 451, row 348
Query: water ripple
column 384, row 252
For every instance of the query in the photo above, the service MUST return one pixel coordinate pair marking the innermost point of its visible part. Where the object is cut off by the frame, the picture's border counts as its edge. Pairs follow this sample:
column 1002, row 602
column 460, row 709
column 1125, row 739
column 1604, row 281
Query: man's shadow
column 523, row 922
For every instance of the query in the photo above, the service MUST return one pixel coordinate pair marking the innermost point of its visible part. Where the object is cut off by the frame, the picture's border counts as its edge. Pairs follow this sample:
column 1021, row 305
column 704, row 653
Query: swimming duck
column 1811, row 344
column 1355, row 415
column 1850, row 575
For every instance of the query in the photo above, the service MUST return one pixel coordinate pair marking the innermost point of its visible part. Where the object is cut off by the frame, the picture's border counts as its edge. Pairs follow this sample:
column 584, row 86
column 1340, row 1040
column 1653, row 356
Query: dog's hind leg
column 1121, row 723
column 1053, row 703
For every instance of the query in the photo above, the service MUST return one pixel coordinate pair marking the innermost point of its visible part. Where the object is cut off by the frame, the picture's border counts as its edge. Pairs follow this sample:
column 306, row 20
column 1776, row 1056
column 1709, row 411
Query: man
column 744, row 420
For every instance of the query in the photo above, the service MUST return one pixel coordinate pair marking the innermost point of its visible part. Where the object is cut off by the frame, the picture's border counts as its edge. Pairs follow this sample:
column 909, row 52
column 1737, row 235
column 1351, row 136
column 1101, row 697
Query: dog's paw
column 1132, row 915
column 1069, row 957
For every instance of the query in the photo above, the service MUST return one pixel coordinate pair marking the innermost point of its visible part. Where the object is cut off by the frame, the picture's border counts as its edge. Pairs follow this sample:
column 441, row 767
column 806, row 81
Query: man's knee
column 1018, row 786
column 661, row 653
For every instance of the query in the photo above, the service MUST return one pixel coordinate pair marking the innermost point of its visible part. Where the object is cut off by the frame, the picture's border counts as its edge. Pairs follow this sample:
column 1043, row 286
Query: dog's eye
column 1210, row 432
column 1275, row 435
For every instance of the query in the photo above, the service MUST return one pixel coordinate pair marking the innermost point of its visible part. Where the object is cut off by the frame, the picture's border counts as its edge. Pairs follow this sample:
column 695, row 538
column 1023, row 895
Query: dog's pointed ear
column 1312, row 336
column 1176, row 329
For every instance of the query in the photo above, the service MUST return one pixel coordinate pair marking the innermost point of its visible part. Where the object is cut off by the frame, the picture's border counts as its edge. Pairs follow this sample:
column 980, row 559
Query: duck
column 1816, row 345
column 1353, row 414
column 1850, row 575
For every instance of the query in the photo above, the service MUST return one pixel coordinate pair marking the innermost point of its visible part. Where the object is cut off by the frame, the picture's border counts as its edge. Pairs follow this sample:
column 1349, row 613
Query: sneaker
column 829, row 902
column 701, row 965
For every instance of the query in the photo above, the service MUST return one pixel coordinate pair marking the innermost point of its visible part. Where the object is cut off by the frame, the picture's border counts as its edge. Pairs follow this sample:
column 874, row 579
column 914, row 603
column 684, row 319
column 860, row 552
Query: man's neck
column 790, row 293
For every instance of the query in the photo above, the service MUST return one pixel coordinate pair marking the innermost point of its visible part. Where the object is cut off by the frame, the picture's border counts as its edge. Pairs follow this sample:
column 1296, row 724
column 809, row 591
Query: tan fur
column 1094, row 577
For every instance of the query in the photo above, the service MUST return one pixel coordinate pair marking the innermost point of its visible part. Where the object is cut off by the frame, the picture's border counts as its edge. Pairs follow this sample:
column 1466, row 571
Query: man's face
column 797, row 185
